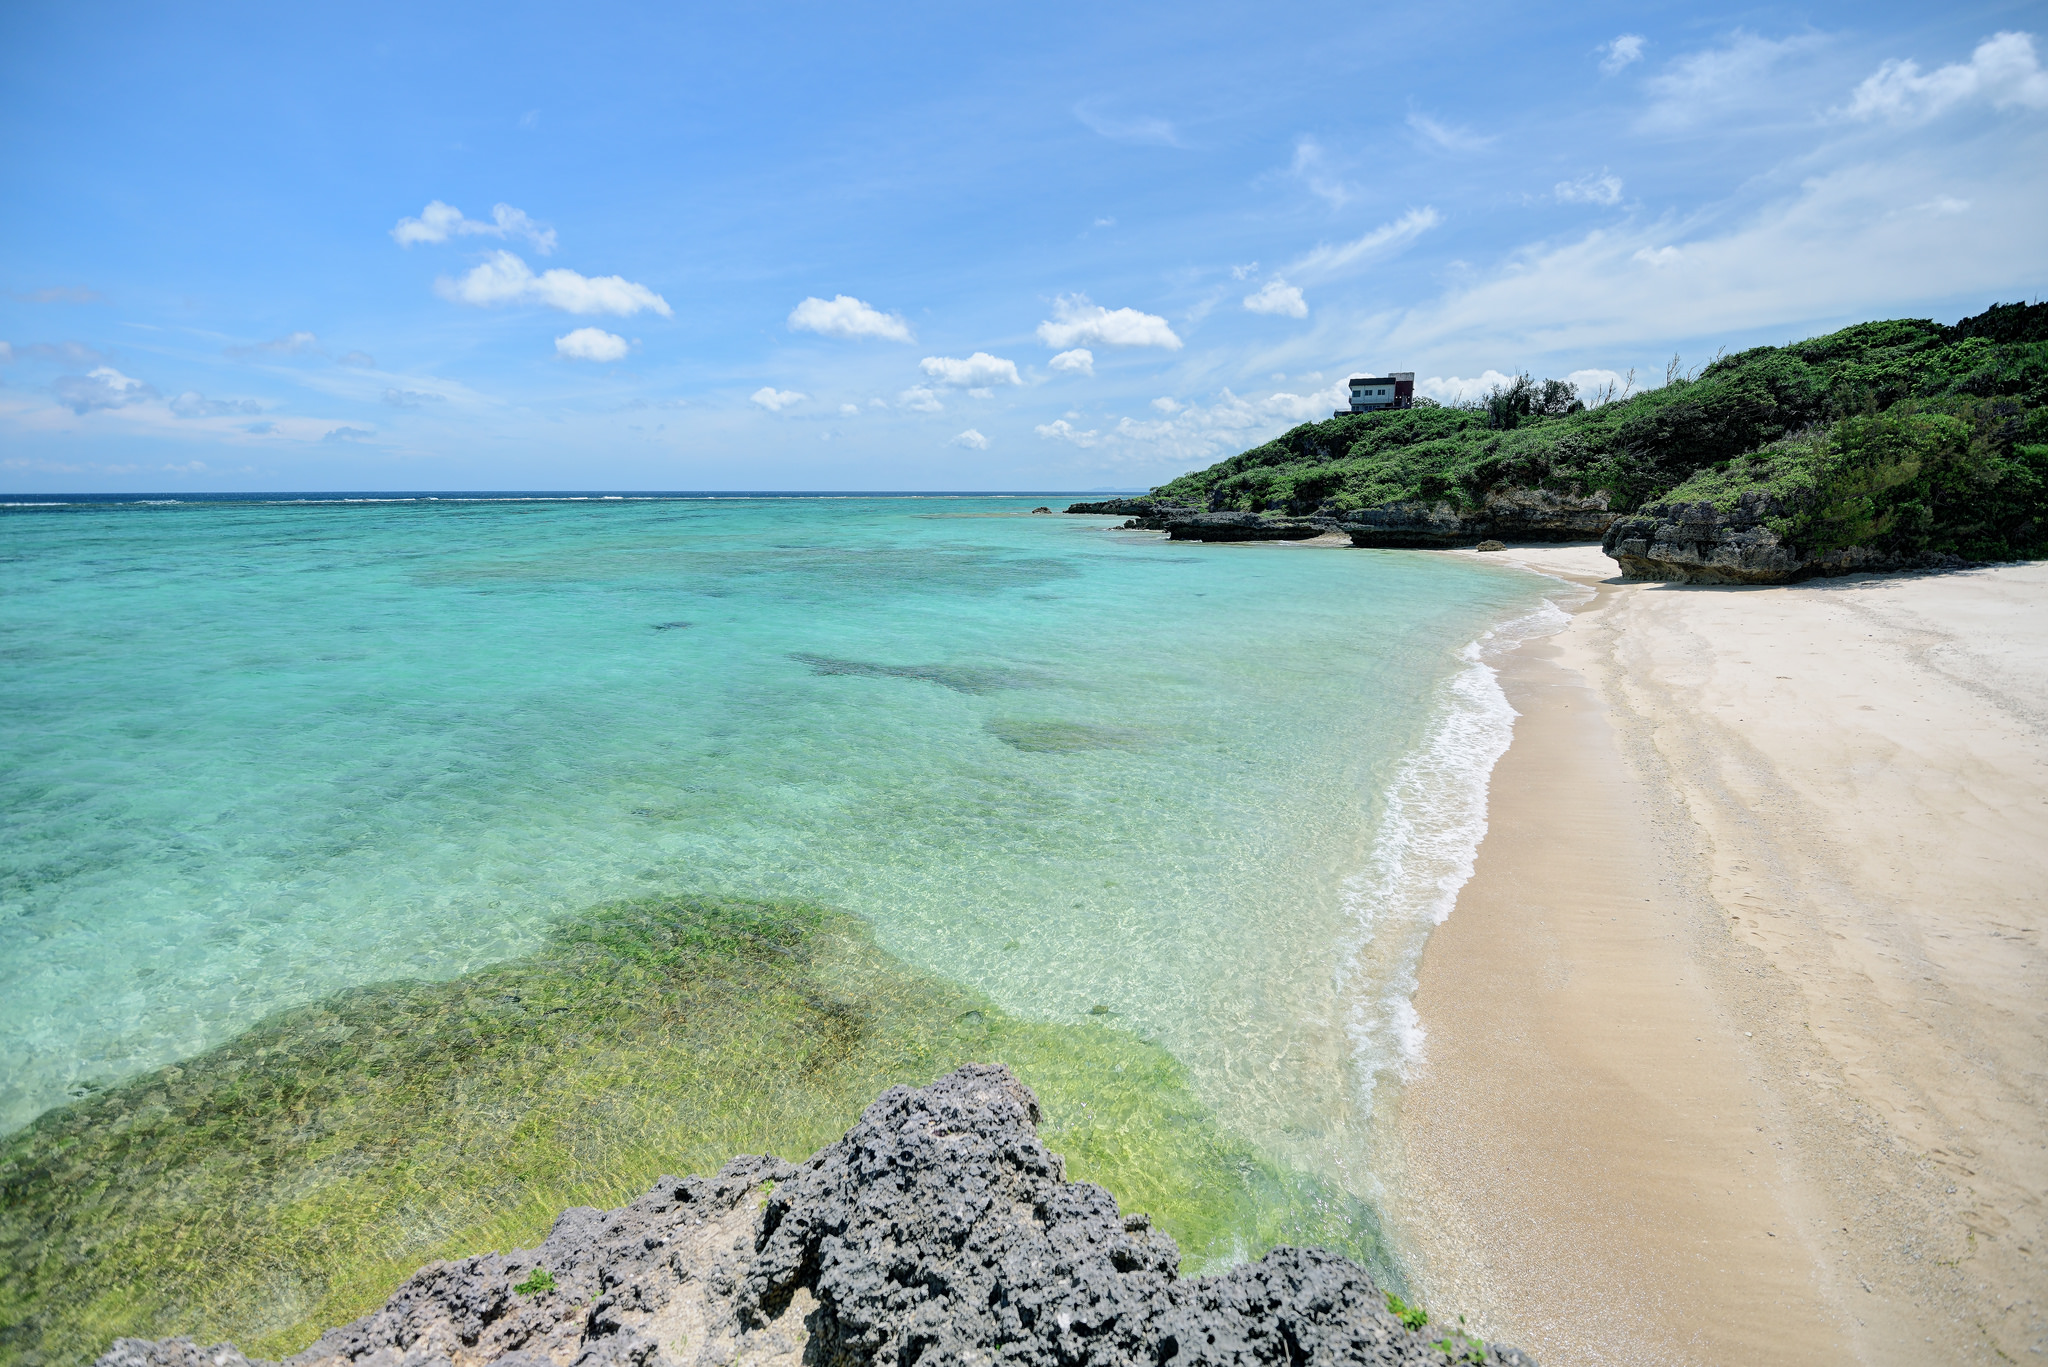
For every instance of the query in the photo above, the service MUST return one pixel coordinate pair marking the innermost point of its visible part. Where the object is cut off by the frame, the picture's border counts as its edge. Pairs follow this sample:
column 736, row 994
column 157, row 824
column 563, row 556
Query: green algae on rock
column 292, row 1177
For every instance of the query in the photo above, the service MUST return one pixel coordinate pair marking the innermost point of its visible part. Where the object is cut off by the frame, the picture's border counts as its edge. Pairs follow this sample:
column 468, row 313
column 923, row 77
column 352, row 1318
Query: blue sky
column 942, row 246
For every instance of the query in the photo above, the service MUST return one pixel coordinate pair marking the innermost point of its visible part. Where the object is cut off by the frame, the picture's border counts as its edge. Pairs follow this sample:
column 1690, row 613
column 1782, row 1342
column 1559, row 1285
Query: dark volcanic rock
column 1508, row 514
column 1245, row 527
column 1697, row 543
column 938, row 1231
column 1143, row 506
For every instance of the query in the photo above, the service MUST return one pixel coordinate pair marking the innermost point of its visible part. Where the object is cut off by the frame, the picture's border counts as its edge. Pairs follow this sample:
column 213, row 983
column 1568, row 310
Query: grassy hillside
column 1903, row 433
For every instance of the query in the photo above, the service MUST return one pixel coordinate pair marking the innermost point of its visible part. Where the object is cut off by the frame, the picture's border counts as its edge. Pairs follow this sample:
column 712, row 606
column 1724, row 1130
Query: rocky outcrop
column 1697, row 543
column 1188, row 522
column 1509, row 514
column 1506, row 515
column 939, row 1230
column 1143, row 506
column 1244, row 527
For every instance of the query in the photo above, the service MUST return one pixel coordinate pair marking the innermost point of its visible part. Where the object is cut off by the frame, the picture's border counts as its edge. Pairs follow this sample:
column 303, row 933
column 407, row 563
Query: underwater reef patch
column 959, row 678
column 292, row 1177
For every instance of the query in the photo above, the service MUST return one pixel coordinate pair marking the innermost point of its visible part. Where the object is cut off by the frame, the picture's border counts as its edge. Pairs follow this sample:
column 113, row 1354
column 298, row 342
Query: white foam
column 1423, row 853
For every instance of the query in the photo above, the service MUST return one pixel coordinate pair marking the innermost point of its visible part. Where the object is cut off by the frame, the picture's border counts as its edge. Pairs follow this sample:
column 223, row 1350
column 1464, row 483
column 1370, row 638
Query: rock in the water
column 1491, row 546
column 1244, row 527
column 1143, row 506
column 1698, row 543
column 937, row 1231
column 1042, row 510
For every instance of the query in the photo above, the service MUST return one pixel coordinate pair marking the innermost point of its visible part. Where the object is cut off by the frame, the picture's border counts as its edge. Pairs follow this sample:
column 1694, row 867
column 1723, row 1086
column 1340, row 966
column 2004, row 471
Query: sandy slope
column 1738, row 1037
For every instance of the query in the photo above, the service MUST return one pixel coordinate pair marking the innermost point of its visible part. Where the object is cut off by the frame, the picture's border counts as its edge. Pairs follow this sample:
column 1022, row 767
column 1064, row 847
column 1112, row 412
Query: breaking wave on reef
column 1423, row 853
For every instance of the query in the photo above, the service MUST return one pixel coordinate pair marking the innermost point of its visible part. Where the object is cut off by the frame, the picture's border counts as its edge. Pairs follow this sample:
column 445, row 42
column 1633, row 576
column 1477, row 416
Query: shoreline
column 1734, row 1042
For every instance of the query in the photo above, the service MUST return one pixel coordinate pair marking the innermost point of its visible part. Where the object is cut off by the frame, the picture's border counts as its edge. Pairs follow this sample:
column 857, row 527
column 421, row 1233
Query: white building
column 1371, row 393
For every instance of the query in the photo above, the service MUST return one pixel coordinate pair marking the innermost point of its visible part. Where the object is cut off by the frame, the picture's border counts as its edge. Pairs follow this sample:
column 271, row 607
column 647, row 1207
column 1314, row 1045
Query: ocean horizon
column 165, row 498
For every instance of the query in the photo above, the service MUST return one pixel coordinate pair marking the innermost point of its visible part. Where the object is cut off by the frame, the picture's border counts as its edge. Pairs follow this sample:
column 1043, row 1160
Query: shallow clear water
column 257, row 752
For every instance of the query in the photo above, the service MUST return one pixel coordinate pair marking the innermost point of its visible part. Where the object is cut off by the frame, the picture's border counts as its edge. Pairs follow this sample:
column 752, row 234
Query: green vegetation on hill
column 292, row 1178
column 1904, row 435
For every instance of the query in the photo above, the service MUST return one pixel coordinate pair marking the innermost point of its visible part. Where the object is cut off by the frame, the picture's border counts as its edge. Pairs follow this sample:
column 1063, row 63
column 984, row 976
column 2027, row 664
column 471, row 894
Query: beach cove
column 1735, row 1039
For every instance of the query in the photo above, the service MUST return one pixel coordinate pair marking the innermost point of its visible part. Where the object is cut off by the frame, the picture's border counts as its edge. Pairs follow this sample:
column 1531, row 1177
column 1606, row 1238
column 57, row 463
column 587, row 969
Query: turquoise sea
column 255, row 752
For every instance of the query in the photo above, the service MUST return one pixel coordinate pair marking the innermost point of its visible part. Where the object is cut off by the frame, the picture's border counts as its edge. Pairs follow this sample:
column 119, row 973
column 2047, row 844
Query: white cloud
column 1850, row 244
column 2003, row 70
column 412, row 398
column 1138, row 128
column 1081, row 321
column 1598, row 386
column 358, row 360
column 591, row 344
column 438, row 222
column 1444, row 136
column 1620, row 52
column 1079, row 361
column 1724, row 83
column 849, row 410
column 101, row 388
column 775, row 400
column 918, row 399
column 505, row 279
column 1310, row 167
column 972, row 440
column 1059, row 429
column 291, row 344
column 1277, row 296
column 976, row 372
column 348, row 434
column 1306, row 407
column 193, row 404
column 6, row 352
column 1381, row 241
column 845, row 316
column 1454, row 389
column 1604, row 188
column 1199, row 432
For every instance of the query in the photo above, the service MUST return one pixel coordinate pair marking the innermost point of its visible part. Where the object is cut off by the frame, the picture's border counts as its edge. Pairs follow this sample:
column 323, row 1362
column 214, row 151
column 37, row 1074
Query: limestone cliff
column 1697, row 543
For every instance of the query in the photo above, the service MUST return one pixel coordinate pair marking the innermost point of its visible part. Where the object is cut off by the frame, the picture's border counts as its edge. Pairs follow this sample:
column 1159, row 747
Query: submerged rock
column 939, row 1230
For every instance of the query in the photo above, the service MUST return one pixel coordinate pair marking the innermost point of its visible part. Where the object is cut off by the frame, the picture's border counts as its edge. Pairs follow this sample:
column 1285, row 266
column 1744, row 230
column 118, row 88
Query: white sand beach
column 1736, row 1047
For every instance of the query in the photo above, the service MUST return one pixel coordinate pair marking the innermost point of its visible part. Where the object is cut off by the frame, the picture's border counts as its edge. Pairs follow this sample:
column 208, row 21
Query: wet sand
column 1736, row 1045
